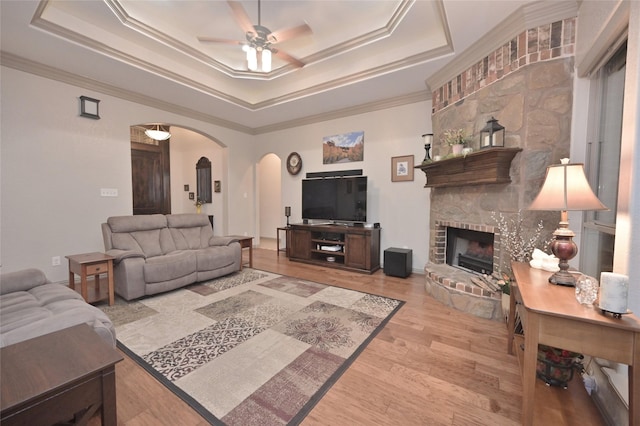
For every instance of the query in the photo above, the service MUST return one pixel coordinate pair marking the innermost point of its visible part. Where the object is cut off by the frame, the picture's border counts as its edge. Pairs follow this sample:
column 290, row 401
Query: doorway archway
column 269, row 189
column 186, row 147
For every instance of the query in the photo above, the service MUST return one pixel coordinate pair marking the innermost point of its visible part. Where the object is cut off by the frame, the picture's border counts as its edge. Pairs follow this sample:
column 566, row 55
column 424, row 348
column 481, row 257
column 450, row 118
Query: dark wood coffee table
column 61, row 376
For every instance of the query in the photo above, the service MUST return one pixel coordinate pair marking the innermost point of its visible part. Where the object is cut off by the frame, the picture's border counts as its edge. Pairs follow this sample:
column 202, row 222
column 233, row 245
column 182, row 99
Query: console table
column 337, row 246
column 551, row 315
column 75, row 377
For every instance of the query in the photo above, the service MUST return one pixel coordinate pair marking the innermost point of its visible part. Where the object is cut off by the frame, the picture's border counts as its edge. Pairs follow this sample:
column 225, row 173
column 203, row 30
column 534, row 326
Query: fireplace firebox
column 470, row 250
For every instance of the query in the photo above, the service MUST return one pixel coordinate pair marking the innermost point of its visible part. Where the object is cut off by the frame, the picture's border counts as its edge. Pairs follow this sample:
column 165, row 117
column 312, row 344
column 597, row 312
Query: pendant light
column 157, row 133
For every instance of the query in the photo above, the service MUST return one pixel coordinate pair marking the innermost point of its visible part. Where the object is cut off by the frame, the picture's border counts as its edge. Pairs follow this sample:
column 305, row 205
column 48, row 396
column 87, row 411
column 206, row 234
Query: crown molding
column 16, row 62
column 22, row 64
column 347, row 112
column 528, row 16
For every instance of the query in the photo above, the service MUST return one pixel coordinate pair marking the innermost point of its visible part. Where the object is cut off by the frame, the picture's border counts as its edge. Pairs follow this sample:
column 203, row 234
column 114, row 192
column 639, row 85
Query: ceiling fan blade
column 286, row 57
column 241, row 16
column 288, row 33
column 218, row 40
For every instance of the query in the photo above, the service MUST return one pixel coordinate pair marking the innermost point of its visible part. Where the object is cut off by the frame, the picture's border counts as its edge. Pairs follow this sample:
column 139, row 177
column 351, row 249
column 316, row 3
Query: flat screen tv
column 335, row 199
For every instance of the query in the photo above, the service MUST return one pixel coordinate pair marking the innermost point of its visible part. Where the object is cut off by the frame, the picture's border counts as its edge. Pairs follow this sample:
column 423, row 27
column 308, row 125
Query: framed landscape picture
column 402, row 168
column 343, row 148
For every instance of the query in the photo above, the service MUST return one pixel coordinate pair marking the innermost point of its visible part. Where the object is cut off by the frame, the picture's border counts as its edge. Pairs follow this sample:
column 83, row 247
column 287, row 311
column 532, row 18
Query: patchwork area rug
column 252, row 348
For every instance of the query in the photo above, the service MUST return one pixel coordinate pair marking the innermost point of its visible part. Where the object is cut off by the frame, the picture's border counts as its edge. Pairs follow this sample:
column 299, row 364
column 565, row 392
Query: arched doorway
column 186, row 146
column 269, row 189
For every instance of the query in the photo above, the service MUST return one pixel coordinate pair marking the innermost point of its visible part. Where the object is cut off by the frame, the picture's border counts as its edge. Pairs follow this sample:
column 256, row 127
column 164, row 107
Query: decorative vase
column 198, row 209
column 457, row 148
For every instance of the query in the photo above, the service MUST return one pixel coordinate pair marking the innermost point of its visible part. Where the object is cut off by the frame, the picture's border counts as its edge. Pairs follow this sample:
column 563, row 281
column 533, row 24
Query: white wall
column 54, row 163
column 402, row 208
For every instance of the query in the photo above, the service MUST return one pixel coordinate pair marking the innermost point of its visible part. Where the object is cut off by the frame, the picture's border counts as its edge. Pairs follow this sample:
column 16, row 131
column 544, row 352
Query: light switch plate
column 109, row 192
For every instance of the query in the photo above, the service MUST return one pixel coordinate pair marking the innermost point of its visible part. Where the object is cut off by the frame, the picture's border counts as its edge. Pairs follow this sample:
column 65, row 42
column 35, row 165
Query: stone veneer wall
column 527, row 84
column 534, row 103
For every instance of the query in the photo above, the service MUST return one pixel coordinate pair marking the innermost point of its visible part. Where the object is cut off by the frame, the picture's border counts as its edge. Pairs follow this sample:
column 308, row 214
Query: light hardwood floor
column 430, row 365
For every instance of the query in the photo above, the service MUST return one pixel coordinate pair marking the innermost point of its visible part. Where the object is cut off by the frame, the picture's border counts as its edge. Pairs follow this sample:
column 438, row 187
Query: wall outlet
column 55, row 261
column 108, row 192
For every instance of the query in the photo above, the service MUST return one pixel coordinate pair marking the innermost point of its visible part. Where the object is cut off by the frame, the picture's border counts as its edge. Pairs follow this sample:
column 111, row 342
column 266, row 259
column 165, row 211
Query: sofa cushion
column 217, row 257
column 137, row 222
column 48, row 308
column 190, row 231
column 169, row 266
column 22, row 280
column 141, row 233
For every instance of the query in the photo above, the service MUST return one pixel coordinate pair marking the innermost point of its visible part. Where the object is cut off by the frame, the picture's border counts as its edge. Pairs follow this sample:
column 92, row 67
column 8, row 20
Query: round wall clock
column 294, row 163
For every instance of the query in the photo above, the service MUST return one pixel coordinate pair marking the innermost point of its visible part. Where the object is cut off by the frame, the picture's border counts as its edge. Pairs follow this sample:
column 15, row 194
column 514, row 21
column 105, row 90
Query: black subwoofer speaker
column 398, row 262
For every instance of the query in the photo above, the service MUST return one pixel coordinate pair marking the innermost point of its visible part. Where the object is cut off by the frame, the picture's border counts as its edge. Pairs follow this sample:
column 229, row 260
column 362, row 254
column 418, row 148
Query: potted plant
column 456, row 139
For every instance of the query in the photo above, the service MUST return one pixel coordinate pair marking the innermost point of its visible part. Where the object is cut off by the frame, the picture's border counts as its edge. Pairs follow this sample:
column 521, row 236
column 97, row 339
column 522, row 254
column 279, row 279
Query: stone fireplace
column 527, row 85
column 470, row 247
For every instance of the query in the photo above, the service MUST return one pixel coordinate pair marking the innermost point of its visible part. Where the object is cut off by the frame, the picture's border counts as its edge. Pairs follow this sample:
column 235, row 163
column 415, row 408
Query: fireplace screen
column 471, row 250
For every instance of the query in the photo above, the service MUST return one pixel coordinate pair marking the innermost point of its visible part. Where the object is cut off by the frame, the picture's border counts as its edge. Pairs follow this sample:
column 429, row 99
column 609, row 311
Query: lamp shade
column 157, row 133
column 565, row 188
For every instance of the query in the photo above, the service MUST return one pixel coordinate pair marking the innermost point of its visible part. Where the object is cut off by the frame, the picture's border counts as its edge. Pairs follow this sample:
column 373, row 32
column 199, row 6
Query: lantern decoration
column 428, row 141
column 492, row 135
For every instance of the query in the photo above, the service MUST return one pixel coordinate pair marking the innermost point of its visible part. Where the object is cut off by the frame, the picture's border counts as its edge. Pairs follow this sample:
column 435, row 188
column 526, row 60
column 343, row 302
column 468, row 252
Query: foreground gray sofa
column 31, row 306
column 157, row 253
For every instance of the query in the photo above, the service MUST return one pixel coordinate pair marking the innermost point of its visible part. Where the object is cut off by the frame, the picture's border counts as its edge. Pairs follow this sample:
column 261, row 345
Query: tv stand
column 336, row 246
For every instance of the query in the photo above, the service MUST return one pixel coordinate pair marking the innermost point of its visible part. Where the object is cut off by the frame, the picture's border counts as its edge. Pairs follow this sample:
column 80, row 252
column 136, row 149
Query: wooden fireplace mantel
column 485, row 166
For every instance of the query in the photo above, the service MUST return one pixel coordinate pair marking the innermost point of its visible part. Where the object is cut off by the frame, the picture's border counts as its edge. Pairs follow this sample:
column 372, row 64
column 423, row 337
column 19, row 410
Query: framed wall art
column 89, row 107
column 402, row 168
column 343, row 148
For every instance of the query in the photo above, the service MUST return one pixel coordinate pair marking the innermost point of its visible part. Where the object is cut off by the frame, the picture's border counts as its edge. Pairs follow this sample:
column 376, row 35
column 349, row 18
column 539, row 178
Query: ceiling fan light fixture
column 157, row 133
column 252, row 58
column 266, row 60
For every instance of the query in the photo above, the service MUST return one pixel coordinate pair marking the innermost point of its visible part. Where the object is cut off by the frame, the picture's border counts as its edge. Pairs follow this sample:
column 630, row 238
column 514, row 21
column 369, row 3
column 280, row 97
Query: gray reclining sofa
column 157, row 253
column 32, row 306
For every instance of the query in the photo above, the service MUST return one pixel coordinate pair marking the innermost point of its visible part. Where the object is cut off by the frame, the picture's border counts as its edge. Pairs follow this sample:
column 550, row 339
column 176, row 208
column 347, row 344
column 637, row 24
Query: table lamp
column 287, row 213
column 565, row 188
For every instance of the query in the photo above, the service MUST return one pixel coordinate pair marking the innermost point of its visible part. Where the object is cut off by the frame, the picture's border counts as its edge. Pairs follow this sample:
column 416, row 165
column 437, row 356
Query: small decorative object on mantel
column 614, row 293
column 89, row 107
column 492, row 135
column 428, row 142
column 456, row 139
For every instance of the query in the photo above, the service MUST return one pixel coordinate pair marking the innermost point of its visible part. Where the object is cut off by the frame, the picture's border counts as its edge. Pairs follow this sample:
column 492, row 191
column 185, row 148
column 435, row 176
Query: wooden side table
column 58, row 376
column 245, row 242
column 95, row 264
column 550, row 315
column 286, row 230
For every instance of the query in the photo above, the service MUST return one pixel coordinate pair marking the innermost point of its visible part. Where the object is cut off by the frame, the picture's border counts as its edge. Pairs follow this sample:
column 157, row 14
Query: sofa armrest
column 23, row 280
column 120, row 255
column 221, row 241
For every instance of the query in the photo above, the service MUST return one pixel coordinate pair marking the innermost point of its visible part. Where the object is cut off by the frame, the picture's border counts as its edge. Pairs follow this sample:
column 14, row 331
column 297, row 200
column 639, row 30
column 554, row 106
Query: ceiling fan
column 260, row 40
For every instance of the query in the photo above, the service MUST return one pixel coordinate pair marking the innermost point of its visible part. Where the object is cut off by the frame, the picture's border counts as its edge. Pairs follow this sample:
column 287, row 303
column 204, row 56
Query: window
column 603, row 162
